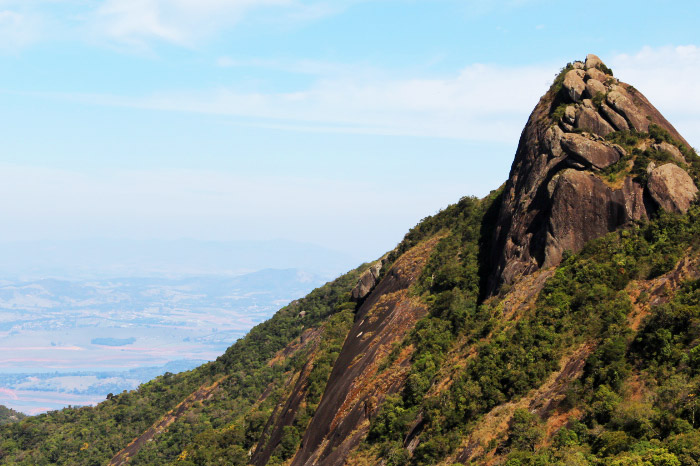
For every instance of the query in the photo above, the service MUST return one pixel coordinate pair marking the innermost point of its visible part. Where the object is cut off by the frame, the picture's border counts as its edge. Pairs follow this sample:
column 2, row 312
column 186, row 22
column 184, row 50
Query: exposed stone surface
column 570, row 114
column 368, row 280
column 591, row 153
column 355, row 390
column 589, row 120
column 671, row 150
column 573, row 83
column 593, row 87
column 594, row 73
column 672, row 188
column 556, row 199
column 620, row 100
column 592, row 61
column 617, row 121
column 572, row 224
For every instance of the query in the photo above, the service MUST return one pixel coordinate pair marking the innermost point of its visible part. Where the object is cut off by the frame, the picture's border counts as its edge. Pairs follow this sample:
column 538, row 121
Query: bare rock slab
column 592, row 153
column 574, row 85
column 672, row 188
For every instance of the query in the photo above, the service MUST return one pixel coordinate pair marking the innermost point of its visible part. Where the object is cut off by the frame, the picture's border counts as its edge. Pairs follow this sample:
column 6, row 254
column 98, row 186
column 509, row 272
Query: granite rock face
column 672, row 188
column 558, row 195
column 368, row 280
column 592, row 153
column 573, row 82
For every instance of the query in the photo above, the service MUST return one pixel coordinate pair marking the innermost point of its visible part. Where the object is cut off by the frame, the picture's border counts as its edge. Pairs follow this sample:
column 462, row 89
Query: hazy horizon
column 171, row 258
column 340, row 123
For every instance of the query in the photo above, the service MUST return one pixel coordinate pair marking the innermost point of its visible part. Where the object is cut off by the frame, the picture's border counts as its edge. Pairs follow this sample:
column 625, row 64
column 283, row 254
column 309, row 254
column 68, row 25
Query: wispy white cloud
column 184, row 22
column 139, row 24
column 299, row 66
column 178, row 21
column 18, row 29
column 481, row 102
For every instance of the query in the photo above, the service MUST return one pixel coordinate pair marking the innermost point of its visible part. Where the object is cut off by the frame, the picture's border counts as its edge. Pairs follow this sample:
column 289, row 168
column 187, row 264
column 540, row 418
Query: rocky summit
column 555, row 321
column 576, row 173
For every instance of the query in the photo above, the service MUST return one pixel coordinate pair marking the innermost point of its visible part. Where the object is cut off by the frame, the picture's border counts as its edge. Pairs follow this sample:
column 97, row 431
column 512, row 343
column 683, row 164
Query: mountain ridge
column 565, row 333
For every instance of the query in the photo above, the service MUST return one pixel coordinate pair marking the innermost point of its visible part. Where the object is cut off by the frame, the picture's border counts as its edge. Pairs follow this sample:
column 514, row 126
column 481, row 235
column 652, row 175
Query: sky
column 340, row 123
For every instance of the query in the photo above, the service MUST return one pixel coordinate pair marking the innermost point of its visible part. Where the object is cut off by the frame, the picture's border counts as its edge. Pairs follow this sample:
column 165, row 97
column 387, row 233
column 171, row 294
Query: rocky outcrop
column 590, row 152
column 672, row 188
column 583, row 207
column 588, row 119
column 573, row 82
column 558, row 195
column 671, row 150
column 368, row 280
column 621, row 102
column 593, row 62
column 356, row 386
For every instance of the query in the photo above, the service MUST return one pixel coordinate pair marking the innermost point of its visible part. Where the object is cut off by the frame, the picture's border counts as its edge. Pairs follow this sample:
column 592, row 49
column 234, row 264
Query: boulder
column 368, row 280
column 617, row 121
column 671, row 187
column 574, row 85
column 552, row 138
column 633, row 195
column 570, row 114
column 671, row 150
column 592, row 61
column 588, row 119
column 620, row 100
column 595, row 73
column 594, row 87
column 591, row 153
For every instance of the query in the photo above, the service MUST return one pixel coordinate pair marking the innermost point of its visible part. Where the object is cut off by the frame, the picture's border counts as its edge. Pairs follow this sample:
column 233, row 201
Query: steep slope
column 556, row 321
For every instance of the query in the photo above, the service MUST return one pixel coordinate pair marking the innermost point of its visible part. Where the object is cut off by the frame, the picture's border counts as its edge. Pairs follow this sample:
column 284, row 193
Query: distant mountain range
column 107, row 258
column 70, row 342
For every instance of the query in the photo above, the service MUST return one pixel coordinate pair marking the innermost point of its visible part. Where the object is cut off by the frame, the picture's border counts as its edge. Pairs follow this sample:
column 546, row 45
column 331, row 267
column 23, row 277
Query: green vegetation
column 659, row 429
column 226, row 427
column 633, row 143
column 602, row 67
column 598, row 99
column 585, row 302
column 560, row 99
column 559, row 112
column 558, row 83
column 8, row 416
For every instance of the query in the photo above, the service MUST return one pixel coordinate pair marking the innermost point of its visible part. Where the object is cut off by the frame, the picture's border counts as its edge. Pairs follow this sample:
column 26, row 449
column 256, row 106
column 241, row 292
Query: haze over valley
column 71, row 341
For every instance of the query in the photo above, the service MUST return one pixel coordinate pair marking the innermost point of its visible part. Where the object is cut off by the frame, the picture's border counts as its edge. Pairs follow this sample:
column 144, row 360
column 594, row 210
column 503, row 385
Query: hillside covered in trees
column 555, row 321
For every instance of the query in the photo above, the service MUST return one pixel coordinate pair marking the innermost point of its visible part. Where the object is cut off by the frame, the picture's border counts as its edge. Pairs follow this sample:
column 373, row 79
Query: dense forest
column 585, row 302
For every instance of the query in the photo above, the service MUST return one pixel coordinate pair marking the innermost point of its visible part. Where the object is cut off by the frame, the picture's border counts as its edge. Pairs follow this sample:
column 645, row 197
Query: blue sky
column 340, row 123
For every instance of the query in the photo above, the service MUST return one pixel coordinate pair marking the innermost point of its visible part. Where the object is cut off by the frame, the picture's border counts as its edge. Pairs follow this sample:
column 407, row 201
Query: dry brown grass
column 543, row 400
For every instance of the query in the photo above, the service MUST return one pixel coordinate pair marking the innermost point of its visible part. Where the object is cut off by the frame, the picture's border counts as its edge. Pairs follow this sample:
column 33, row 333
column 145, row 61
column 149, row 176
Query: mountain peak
column 594, row 156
